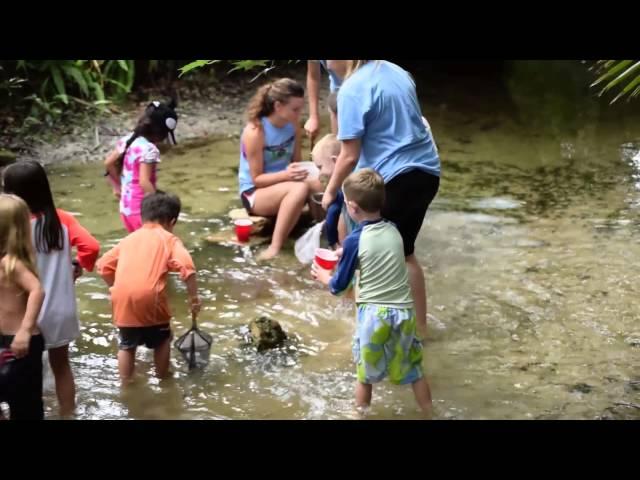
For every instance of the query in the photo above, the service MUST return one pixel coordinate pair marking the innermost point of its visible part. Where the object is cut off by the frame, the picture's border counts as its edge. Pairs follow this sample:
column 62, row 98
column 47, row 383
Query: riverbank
column 209, row 107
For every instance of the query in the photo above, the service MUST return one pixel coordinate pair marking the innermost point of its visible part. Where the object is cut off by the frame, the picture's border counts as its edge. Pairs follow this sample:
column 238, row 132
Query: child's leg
column 126, row 363
column 65, row 385
column 363, row 394
column 161, row 357
column 405, row 354
column 129, row 339
column 367, row 352
column 25, row 396
column 423, row 394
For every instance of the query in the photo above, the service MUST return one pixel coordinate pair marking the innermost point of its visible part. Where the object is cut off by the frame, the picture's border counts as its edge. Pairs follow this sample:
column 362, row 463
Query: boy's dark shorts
column 151, row 337
column 407, row 198
column 21, row 385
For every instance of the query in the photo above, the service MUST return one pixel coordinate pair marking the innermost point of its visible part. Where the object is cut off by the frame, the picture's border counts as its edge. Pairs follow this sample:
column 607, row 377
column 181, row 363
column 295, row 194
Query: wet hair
column 152, row 125
column 160, row 207
column 28, row 180
column 262, row 104
column 332, row 102
column 365, row 187
column 15, row 235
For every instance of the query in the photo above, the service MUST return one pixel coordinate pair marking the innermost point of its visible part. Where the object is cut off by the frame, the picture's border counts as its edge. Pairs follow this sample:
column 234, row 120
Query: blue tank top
column 278, row 150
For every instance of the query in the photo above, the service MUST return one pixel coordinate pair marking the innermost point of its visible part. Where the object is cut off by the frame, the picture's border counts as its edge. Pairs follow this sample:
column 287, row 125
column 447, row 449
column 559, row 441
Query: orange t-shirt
column 138, row 266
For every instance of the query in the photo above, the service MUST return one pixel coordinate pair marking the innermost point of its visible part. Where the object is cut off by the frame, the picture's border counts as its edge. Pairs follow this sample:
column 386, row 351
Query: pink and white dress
column 131, row 193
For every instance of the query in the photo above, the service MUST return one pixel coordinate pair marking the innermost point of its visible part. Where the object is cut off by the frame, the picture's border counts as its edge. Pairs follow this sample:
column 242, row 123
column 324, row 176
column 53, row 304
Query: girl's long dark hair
column 148, row 126
column 28, row 180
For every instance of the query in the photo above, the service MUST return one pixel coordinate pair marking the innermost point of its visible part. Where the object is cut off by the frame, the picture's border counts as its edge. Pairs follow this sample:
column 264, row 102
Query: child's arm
column 192, row 290
column 146, row 170
column 341, row 281
column 150, row 157
column 110, row 163
column 108, row 264
column 320, row 274
column 88, row 247
column 331, row 221
column 181, row 262
column 112, row 171
column 30, row 284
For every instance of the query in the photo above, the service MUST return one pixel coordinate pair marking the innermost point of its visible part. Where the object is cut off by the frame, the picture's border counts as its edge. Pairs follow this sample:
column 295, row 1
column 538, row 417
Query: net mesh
column 195, row 347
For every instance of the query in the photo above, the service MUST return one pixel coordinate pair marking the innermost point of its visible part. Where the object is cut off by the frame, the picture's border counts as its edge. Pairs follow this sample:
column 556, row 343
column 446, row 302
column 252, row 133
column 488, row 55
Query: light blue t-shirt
column 334, row 80
column 279, row 144
column 378, row 104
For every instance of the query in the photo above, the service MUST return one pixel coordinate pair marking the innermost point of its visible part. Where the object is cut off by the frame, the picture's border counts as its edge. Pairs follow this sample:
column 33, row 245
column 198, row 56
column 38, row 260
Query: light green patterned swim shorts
column 385, row 343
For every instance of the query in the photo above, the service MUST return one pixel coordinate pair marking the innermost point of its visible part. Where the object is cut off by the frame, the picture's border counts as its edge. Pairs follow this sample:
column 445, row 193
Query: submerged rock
column 581, row 388
column 632, row 386
column 266, row 333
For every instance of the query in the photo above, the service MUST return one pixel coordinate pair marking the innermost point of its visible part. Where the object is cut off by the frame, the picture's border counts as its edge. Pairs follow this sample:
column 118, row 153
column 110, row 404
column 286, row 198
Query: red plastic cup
column 326, row 259
column 243, row 229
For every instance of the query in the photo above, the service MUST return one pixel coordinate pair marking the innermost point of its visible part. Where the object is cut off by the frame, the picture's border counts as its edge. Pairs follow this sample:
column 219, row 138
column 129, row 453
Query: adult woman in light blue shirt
column 380, row 126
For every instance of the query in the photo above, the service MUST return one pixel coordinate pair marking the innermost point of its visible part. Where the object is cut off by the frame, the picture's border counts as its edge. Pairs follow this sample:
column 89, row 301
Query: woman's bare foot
column 268, row 253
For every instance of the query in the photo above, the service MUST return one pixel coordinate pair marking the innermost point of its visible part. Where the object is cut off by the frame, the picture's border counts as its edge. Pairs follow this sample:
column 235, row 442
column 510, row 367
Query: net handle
column 194, row 326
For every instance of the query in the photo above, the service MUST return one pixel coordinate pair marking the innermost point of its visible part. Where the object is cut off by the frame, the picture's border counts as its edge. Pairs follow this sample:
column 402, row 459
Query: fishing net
column 195, row 346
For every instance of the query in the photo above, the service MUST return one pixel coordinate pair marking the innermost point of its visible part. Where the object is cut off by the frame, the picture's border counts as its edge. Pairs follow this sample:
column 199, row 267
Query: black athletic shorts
column 407, row 198
column 151, row 337
column 21, row 381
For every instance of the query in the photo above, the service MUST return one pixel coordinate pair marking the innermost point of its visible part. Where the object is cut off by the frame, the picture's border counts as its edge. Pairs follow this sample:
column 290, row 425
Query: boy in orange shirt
column 136, row 270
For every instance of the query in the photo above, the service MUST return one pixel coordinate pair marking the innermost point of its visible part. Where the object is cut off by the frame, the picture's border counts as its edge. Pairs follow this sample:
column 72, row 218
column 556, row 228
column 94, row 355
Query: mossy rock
column 266, row 333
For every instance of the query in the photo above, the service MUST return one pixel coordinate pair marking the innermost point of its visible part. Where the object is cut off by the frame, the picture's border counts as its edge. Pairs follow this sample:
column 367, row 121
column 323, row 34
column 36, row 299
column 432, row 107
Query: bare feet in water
column 267, row 254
